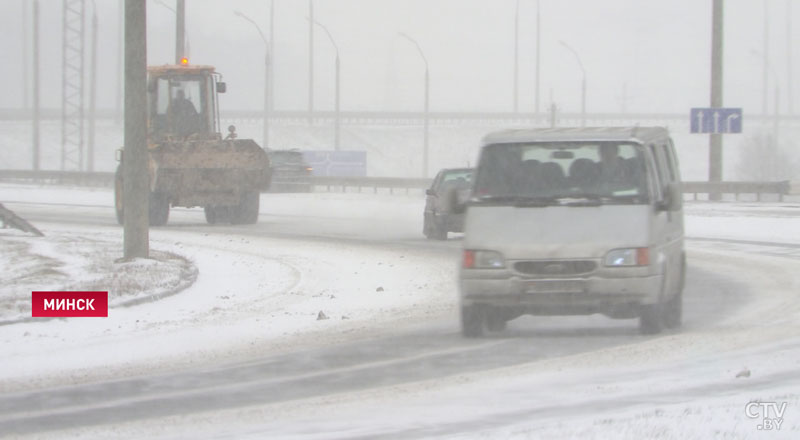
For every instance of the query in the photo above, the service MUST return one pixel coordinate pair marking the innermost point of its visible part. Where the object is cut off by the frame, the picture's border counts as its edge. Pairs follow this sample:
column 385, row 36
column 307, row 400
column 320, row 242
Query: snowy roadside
column 769, row 222
column 78, row 262
column 252, row 295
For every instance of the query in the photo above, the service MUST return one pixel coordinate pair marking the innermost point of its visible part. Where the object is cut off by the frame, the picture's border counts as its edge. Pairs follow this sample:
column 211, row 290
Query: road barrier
column 397, row 184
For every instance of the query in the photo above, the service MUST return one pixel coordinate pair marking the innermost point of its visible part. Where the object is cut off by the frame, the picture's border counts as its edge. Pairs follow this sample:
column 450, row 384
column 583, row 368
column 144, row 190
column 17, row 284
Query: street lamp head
column 419, row 49
column 328, row 33
column 160, row 2
column 575, row 53
column 258, row 28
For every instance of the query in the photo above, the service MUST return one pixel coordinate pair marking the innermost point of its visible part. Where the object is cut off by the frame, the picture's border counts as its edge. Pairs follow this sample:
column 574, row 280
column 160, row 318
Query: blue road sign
column 715, row 120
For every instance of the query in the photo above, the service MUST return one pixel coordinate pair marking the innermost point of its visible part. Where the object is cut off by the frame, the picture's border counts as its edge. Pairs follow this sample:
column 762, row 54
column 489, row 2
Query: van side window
column 672, row 162
column 660, row 173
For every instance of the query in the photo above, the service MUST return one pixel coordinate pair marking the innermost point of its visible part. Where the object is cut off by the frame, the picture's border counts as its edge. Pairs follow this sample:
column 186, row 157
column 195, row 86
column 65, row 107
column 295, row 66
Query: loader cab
column 182, row 102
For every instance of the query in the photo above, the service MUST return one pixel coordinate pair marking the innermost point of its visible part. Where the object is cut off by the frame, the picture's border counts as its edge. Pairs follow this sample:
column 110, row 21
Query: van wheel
column 472, row 321
column 673, row 311
column 651, row 319
column 159, row 209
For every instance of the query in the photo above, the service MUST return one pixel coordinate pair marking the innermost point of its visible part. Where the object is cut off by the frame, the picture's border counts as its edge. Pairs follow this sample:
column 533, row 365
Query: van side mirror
column 673, row 198
column 430, row 192
column 221, row 87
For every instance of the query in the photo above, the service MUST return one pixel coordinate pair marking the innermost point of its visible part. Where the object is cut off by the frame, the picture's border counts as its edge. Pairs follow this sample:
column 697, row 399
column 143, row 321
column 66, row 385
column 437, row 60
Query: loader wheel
column 246, row 212
column 159, row 209
column 217, row 214
column 118, row 196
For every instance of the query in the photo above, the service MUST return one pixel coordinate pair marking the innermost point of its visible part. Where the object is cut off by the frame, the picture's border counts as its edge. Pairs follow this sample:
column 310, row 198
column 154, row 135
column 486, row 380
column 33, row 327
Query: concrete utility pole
column 135, row 175
column 180, row 30
column 715, row 139
column 36, row 112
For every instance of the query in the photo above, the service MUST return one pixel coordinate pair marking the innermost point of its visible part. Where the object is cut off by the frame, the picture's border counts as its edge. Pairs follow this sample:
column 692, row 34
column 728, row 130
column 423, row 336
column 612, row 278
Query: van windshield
column 604, row 172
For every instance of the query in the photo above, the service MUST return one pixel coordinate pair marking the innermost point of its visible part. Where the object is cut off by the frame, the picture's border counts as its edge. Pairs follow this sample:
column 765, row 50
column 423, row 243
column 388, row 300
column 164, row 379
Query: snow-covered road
column 241, row 353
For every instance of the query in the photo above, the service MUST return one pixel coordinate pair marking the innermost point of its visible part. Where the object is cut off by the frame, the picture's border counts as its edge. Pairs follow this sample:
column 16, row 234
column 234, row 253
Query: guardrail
column 374, row 183
column 79, row 178
column 780, row 189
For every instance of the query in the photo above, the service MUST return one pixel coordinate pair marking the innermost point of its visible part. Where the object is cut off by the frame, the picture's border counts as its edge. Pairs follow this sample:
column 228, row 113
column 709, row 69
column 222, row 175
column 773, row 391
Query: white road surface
column 241, row 353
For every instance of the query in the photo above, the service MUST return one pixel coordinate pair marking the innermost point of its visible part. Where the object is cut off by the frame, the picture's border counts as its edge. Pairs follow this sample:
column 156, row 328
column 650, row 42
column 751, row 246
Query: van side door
column 668, row 225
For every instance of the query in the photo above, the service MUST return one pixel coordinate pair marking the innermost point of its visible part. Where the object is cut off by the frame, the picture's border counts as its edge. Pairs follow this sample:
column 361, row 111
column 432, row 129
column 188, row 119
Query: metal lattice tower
column 72, row 85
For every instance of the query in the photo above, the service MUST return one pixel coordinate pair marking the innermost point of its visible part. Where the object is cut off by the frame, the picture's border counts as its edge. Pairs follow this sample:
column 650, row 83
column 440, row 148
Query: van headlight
column 483, row 260
column 628, row 257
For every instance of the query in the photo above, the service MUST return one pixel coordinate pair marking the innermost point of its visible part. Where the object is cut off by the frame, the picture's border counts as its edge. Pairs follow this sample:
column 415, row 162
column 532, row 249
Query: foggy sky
column 658, row 52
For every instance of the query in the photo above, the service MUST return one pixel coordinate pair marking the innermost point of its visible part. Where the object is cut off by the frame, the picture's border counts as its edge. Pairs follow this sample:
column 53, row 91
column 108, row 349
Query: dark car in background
column 290, row 171
column 438, row 218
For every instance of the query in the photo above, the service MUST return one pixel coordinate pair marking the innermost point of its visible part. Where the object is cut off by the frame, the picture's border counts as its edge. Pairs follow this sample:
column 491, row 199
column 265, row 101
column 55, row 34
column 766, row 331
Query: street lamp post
column 267, row 97
column 337, row 124
column 36, row 88
column 180, row 30
column 180, row 27
column 583, row 83
column 427, row 95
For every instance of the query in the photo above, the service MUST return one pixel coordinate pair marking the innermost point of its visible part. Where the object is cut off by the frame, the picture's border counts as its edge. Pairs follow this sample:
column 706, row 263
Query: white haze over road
column 260, row 289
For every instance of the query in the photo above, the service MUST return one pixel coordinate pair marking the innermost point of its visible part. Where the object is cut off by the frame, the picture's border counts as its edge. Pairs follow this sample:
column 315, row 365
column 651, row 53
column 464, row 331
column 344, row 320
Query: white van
column 574, row 221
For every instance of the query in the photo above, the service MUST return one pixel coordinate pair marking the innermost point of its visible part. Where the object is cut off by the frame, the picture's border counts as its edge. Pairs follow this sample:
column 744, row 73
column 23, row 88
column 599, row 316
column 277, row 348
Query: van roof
column 635, row 134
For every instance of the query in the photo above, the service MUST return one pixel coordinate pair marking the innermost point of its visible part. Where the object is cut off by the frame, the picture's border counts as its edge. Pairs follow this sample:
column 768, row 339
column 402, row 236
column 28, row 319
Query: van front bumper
column 578, row 295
